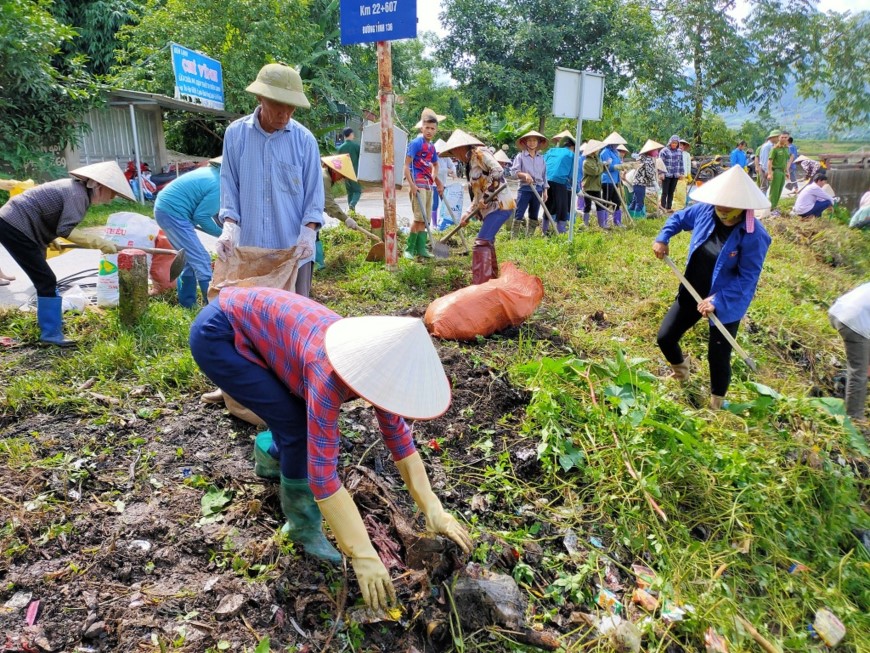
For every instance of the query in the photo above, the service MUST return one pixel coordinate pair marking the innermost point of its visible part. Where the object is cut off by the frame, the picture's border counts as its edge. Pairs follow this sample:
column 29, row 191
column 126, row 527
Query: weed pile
column 754, row 513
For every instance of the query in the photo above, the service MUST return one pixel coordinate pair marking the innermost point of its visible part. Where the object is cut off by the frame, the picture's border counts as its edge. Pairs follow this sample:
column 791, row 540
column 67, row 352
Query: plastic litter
column 797, row 568
column 645, row 576
column 645, row 600
column 74, row 299
column 714, row 642
column 828, row 627
column 609, row 601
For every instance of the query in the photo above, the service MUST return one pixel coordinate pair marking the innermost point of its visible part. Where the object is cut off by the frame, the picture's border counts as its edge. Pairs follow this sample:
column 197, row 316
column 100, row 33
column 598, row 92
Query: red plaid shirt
column 284, row 332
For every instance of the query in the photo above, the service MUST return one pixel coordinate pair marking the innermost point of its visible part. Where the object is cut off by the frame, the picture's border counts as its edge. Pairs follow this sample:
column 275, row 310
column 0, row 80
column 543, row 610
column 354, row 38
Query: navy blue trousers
column 257, row 388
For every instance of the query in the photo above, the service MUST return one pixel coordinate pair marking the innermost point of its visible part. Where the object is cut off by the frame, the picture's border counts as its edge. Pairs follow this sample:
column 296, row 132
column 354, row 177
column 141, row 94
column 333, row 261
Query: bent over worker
column 726, row 254
column 31, row 221
column 294, row 363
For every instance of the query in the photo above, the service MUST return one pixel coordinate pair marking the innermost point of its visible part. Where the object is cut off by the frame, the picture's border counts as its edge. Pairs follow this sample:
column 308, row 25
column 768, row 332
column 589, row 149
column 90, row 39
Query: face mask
column 728, row 217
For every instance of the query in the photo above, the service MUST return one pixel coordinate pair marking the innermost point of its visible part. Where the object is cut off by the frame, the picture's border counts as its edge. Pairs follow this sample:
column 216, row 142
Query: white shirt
column 808, row 197
column 853, row 310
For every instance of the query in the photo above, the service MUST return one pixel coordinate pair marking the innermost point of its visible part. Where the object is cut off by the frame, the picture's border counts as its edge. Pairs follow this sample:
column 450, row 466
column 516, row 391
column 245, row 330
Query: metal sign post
column 382, row 21
column 577, row 94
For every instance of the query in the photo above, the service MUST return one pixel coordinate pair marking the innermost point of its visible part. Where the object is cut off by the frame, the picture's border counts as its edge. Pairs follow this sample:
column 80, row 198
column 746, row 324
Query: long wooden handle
column 712, row 316
column 368, row 233
column 459, row 225
column 147, row 250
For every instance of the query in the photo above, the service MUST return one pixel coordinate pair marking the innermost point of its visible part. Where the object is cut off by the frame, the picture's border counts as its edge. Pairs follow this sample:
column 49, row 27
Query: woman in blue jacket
column 726, row 254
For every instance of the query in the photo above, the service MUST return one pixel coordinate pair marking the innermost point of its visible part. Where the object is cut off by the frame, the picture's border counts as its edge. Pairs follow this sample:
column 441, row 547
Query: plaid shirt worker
column 673, row 160
column 47, row 211
column 284, row 333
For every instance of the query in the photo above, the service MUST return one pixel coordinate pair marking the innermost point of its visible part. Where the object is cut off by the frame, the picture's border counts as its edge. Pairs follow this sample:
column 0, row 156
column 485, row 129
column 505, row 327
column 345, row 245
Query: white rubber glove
column 228, row 240
column 306, row 242
column 350, row 223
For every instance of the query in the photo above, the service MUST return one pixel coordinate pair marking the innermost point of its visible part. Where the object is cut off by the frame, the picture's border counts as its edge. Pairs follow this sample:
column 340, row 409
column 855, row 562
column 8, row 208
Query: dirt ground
column 109, row 539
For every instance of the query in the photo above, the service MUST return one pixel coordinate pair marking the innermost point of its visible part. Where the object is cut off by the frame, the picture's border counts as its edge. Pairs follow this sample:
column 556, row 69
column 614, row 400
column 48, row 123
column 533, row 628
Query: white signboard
column 370, row 161
column 578, row 94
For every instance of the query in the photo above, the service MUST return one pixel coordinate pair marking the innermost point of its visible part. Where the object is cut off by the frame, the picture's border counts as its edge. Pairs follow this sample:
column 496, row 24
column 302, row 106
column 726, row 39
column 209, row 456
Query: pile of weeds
column 753, row 513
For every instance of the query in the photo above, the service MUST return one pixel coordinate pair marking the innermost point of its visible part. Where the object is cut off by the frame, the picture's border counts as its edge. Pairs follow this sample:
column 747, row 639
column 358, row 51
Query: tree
column 42, row 104
column 826, row 53
column 504, row 52
column 96, row 23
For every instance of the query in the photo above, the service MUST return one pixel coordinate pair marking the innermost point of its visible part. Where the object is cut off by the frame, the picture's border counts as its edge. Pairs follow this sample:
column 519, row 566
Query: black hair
column 741, row 143
column 347, row 132
column 427, row 121
column 820, row 177
column 790, row 139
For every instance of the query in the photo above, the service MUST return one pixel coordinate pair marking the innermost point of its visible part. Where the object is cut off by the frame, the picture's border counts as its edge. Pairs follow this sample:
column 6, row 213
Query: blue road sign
column 198, row 78
column 367, row 21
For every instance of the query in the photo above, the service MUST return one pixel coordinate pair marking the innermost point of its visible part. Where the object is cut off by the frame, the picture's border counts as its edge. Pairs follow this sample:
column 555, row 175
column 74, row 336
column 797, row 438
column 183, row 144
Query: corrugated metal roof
column 124, row 97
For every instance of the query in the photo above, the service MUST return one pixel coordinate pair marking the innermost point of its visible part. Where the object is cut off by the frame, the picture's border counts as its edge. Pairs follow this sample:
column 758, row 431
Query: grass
column 780, row 480
column 815, row 148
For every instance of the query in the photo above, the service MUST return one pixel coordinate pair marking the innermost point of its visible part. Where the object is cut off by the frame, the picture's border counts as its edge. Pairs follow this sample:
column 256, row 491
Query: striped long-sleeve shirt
column 270, row 182
column 284, row 332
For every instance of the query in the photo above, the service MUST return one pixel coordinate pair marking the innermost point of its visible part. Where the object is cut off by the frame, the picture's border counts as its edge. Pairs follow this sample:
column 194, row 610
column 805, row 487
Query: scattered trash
column 33, row 613
column 606, row 625
column 596, row 542
column 645, row 600
column 186, row 472
column 797, row 568
column 142, row 545
column 828, row 627
column 479, row 503
column 625, row 638
column 17, row 601
column 230, row 605
column 645, row 576
column 570, row 542
column 672, row 612
column 363, row 615
column 210, row 583
column 714, row 642
column 433, row 445
column 489, row 599
column 609, row 601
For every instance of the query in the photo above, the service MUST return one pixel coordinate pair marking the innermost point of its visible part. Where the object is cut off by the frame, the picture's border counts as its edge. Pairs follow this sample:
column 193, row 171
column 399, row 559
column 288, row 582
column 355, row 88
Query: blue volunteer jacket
column 610, row 158
column 738, row 267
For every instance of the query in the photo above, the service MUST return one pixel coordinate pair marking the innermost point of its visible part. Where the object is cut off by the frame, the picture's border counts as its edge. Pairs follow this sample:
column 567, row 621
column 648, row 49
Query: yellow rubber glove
column 341, row 513
column 437, row 519
column 91, row 241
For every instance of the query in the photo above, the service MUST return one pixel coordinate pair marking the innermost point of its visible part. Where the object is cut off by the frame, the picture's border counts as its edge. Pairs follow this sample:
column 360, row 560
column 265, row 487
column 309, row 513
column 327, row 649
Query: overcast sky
column 427, row 11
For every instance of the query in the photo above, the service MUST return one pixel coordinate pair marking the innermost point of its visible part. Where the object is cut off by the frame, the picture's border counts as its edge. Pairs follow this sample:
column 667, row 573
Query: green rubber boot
column 304, row 522
column 265, row 464
column 422, row 248
column 411, row 247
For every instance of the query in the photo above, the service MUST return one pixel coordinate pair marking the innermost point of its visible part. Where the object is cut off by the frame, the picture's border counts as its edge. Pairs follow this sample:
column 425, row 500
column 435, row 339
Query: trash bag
column 487, row 308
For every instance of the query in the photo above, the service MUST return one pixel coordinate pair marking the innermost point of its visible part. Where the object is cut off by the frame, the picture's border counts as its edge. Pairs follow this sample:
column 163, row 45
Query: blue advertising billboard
column 198, row 79
column 365, row 21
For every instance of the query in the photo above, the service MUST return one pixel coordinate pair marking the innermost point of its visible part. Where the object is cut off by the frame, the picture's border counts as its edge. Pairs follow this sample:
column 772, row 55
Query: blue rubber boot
column 266, row 463
column 49, row 315
column 304, row 521
column 187, row 289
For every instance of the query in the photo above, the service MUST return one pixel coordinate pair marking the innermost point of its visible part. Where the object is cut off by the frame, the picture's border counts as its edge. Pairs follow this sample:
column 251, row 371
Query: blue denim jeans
column 212, row 343
column 637, row 198
column 818, row 208
column 492, row 223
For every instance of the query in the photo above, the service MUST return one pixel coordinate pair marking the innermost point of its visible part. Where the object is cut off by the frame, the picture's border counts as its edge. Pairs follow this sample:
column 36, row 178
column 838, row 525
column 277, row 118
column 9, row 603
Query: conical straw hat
column 458, row 139
column 592, row 146
column 501, row 157
column 218, row 160
column 733, row 189
column 802, row 158
column 622, row 148
column 108, row 174
column 341, row 163
column 542, row 140
column 614, row 139
column 428, row 113
column 391, row 363
column 439, row 145
column 563, row 134
column 650, row 145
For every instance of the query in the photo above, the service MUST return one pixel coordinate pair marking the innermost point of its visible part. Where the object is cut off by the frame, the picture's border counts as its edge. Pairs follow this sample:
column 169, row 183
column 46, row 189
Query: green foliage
column 42, row 98
column 751, row 494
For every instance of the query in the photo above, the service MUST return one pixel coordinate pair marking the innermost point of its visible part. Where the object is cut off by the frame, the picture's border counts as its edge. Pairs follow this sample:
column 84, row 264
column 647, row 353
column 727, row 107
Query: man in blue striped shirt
column 271, row 187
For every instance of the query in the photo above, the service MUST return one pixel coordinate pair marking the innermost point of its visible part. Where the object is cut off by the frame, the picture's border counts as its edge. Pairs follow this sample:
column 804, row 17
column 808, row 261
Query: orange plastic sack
column 482, row 310
column 160, row 264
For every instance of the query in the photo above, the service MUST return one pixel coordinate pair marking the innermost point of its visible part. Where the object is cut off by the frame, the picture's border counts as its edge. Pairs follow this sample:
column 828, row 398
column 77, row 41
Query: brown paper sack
column 253, row 267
